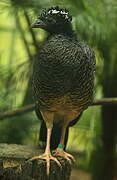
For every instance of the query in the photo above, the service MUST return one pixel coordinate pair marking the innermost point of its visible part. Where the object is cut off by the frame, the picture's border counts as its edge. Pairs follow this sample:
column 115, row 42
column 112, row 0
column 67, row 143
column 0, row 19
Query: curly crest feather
column 58, row 14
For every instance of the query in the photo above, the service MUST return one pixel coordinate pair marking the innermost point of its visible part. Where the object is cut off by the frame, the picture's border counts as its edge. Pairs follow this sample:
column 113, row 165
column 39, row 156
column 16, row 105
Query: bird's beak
column 38, row 24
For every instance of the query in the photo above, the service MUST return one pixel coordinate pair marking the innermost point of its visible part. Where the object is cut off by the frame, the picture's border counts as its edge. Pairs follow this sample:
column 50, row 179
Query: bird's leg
column 71, row 115
column 60, row 149
column 47, row 154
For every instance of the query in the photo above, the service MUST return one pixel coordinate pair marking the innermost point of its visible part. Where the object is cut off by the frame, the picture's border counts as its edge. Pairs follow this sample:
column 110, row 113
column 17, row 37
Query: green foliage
column 22, row 130
column 85, row 136
column 95, row 23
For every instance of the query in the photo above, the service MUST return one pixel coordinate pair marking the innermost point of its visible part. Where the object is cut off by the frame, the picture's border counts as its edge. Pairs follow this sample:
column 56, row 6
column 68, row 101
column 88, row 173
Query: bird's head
column 54, row 20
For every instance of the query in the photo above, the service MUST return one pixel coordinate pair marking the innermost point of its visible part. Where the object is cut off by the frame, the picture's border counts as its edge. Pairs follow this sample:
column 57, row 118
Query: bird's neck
column 64, row 30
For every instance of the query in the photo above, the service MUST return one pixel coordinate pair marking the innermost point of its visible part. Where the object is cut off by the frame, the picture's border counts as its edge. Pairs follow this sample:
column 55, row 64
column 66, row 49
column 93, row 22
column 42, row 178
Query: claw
column 70, row 156
column 47, row 157
column 62, row 153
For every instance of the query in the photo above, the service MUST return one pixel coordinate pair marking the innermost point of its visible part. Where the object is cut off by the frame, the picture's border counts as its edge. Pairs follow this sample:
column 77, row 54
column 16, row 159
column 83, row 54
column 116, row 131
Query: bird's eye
column 51, row 20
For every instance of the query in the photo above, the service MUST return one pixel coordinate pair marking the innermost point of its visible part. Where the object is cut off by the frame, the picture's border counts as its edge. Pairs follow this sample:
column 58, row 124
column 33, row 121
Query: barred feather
column 63, row 74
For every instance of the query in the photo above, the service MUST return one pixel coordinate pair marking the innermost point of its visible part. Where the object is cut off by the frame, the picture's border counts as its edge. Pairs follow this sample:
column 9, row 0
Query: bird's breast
column 63, row 76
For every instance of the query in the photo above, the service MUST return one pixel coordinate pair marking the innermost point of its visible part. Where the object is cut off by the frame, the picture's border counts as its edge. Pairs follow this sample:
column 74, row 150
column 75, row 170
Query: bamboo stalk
column 31, row 30
column 23, row 37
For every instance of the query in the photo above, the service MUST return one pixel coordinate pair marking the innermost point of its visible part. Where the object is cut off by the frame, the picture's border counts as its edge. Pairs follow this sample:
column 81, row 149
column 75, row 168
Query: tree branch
column 31, row 107
column 17, row 112
column 105, row 102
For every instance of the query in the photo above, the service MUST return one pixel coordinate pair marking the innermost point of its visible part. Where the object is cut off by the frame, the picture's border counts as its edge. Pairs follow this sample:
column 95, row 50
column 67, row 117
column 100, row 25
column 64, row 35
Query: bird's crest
column 59, row 13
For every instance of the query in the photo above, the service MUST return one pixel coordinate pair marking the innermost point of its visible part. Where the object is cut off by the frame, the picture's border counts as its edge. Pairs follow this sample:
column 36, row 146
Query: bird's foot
column 47, row 157
column 60, row 152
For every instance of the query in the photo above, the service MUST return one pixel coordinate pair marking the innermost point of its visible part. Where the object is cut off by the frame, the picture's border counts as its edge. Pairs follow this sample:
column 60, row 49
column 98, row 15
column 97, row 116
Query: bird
column 62, row 79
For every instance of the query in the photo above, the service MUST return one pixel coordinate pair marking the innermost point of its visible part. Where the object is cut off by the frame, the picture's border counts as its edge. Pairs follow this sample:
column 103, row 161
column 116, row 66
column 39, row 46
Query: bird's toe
column 47, row 157
column 62, row 153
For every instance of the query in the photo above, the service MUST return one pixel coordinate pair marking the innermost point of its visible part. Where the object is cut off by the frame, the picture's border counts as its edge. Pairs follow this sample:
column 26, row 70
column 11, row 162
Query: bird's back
column 63, row 74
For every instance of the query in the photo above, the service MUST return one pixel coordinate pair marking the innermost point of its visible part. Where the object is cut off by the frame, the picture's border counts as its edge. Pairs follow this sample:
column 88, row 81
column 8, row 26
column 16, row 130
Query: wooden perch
column 31, row 107
column 14, row 165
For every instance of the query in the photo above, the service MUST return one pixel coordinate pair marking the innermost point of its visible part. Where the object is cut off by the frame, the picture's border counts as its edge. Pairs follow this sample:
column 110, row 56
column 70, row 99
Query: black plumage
column 64, row 71
column 63, row 77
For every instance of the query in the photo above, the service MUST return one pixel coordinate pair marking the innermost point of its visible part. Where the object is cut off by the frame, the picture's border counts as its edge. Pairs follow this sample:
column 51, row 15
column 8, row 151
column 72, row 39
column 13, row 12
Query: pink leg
column 47, row 154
